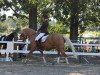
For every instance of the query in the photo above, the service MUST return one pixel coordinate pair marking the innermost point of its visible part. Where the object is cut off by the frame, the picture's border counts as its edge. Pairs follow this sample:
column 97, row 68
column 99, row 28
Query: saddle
column 41, row 40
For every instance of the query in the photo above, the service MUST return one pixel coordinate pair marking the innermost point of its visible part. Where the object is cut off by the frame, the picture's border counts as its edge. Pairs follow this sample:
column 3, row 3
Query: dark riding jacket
column 44, row 27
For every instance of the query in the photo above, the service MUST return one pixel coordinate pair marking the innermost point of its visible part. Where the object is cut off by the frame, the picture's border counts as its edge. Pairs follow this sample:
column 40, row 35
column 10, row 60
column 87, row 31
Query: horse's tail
column 67, row 41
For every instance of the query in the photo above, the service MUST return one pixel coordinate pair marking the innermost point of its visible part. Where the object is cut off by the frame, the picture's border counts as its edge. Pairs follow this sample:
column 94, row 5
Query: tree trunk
column 74, row 20
column 33, row 17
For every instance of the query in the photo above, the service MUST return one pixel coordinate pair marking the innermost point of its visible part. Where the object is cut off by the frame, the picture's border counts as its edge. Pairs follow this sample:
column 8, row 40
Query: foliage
column 12, row 24
column 61, row 11
column 58, row 28
column 21, row 22
column 22, row 7
column 88, row 12
column 4, row 27
column 95, row 33
column 18, row 22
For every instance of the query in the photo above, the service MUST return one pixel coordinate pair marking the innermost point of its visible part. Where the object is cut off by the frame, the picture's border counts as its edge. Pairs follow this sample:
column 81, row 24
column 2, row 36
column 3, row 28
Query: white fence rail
column 77, row 44
column 10, row 49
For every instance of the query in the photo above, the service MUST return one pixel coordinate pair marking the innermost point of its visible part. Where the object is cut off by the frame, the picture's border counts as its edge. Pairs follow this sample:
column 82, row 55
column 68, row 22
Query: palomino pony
column 53, row 41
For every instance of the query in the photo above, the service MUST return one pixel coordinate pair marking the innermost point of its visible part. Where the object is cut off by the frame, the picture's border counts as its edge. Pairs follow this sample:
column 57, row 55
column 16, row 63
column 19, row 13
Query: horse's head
column 27, row 33
column 23, row 36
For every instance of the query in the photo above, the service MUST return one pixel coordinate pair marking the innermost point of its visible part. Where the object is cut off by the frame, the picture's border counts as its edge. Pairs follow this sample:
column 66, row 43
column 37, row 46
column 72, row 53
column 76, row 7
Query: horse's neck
column 10, row 38
column 32, row 37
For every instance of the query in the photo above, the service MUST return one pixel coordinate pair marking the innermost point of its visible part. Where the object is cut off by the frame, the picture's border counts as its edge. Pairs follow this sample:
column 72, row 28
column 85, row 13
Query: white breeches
column 39, row 36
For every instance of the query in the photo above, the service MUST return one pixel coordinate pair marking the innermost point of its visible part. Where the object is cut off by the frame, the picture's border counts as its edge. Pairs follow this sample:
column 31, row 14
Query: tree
column 78, row 14
column 21, row 23
column 21, row 9
column 58, row 28
column 25, row 9
column 74, row 23
column 4, row 27
column 66, row 11
column 74, row 14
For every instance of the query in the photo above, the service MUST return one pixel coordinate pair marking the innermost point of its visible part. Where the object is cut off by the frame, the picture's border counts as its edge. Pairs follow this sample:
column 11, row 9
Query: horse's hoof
column 25, row 60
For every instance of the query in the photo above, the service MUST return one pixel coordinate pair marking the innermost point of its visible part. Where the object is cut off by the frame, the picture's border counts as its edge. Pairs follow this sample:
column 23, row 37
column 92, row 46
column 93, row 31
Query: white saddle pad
column 44, row 38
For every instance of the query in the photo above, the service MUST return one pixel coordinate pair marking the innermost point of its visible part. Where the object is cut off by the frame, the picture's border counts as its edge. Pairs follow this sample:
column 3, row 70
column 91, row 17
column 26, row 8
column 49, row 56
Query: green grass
column 95, row 33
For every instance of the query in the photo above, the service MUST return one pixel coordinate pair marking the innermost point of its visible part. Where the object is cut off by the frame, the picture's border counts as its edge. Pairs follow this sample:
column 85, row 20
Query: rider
column 43, row 30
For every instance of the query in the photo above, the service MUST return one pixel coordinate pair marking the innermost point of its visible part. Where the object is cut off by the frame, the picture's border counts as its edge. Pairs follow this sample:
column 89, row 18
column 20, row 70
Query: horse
column 6, row 38
column 53, row 41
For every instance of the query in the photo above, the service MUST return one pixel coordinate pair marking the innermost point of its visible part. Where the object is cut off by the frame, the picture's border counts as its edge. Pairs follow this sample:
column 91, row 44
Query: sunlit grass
column 95, row 33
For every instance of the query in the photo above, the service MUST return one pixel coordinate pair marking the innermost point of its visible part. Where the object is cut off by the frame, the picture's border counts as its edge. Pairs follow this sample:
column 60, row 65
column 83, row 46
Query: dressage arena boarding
column 88, row 63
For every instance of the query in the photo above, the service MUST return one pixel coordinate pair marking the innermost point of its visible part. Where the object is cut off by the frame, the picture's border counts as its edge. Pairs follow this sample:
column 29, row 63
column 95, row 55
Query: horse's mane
column 10, row 36
column 28, row 31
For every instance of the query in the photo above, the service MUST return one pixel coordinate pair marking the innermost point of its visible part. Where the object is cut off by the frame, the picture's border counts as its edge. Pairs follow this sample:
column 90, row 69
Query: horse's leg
column 27, row 57
column 32, row 49
column 58, row 59
column 30, row 53
column 66, row 60
column 44, row 60
column 64, row 55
